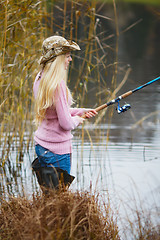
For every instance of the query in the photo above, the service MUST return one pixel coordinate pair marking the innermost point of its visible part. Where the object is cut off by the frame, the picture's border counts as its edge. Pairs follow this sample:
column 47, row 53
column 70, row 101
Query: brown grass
column 67, row 215
column 60, row 215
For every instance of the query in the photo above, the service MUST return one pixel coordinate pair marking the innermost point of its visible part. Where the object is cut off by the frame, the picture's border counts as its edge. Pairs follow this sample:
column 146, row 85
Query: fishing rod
column 118, row 99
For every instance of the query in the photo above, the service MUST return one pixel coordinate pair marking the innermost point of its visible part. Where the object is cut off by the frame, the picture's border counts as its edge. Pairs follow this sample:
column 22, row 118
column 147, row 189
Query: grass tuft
column 60, row 215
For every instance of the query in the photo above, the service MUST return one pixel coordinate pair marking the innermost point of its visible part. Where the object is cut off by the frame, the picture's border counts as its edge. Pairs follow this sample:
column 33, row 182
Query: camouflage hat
column 55, row 46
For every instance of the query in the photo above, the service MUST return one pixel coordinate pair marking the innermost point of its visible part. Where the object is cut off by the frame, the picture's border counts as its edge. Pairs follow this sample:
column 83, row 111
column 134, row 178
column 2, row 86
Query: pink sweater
column 54, row 133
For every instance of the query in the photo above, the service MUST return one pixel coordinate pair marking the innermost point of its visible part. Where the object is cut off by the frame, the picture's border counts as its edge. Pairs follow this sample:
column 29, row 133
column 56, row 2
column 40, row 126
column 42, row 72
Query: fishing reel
column 122, row 109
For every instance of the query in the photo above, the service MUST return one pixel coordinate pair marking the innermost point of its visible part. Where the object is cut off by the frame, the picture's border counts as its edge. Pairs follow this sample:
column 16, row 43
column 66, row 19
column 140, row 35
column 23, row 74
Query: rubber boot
column 51, row 177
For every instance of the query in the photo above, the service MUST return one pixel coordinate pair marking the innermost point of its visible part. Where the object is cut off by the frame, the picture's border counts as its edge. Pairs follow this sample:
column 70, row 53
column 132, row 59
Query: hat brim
column 50, row 55
column 73, row 45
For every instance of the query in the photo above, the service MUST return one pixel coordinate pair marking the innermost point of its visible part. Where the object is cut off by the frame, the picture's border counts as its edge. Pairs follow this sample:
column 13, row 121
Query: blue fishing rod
column 118, row 99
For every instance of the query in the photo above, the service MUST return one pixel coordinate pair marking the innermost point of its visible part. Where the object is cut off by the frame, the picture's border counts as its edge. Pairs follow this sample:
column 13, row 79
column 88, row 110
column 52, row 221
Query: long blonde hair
column 53, row 73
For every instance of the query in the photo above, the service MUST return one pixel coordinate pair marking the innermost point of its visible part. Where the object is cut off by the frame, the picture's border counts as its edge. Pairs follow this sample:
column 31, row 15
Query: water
column 128, row 171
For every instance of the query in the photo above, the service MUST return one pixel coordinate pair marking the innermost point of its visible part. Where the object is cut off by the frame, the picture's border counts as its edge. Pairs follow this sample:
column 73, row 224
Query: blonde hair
column 53, row 73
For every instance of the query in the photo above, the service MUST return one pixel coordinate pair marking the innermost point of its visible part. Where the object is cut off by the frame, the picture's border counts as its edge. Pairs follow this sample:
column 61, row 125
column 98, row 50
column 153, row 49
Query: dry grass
column 60, row 215
column 21, row 36
column 67, row 215
column 143, row 227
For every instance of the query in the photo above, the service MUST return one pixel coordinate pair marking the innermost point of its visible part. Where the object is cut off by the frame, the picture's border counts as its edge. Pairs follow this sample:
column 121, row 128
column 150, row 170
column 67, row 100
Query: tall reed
column 22, row 33
column 24, row 24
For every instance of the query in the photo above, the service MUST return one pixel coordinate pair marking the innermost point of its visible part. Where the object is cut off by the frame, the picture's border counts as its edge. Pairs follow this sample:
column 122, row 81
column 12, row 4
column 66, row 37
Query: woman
column 53, row 113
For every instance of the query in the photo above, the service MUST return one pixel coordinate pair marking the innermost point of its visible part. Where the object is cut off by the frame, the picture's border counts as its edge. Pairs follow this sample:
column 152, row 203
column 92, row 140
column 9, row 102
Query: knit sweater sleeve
column 77, row 111
column 66, row 121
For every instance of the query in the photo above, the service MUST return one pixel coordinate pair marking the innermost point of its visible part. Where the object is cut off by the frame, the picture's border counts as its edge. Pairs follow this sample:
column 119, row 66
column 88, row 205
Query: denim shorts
column 49, row 159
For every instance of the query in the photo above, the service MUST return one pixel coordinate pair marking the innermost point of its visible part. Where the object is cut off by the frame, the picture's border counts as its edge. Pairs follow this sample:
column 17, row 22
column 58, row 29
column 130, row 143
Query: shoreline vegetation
column 71, row 215
column 23, row 25
column 59, row 215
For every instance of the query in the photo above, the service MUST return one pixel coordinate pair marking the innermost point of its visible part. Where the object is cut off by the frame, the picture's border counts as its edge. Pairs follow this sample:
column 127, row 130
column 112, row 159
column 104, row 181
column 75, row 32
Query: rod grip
column 97, row 109
column 101, row 107
column 126, row 94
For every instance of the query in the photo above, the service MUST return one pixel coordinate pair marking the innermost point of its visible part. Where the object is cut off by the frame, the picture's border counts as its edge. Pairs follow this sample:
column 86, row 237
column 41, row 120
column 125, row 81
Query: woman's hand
column 90, row 113
column 81, row 120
